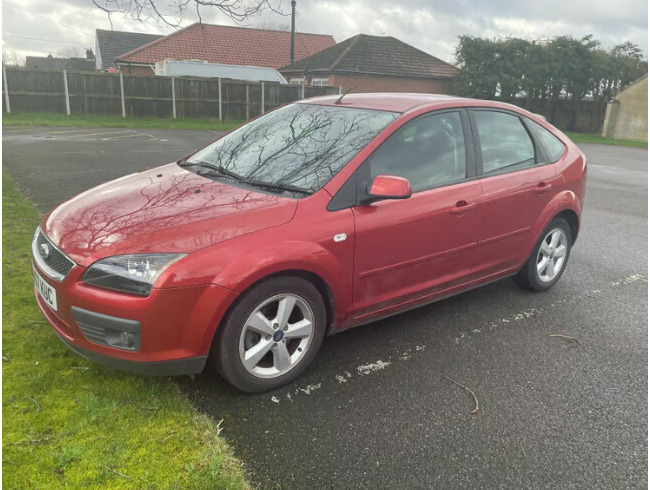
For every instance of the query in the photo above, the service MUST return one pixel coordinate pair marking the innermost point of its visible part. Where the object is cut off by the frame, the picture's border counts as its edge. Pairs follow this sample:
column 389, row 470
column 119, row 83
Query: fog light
column 126, row 339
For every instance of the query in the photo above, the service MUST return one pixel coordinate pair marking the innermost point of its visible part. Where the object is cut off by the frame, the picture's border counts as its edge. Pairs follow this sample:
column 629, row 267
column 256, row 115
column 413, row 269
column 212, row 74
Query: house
column 366, row 63
column 224, row 45
column 111, row 44
column 627, row 115
column 52, row 63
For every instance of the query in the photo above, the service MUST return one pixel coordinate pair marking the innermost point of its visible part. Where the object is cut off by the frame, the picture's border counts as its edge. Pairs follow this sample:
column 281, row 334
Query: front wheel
column 548, row 259
column 271, row 335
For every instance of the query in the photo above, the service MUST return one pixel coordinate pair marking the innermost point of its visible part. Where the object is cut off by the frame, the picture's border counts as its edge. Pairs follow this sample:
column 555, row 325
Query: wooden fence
column 107, row 94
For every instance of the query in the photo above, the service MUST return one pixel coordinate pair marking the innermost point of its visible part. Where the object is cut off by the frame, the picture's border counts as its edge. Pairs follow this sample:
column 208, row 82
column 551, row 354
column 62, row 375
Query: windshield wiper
column 279, row 187
column 210, row 169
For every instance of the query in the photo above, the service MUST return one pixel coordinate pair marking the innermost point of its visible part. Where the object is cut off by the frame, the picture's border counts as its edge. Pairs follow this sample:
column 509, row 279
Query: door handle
column 461, row 207
column 542, row 187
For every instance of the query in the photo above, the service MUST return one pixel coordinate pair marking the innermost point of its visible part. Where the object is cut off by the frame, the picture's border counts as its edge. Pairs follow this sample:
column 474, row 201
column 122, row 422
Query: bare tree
column 11, row 57
column 171, row 12
column 70, row 52
column 271, row 26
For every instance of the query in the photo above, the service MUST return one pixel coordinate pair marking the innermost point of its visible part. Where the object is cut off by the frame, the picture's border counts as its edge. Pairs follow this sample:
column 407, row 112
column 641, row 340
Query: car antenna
column 338, row 101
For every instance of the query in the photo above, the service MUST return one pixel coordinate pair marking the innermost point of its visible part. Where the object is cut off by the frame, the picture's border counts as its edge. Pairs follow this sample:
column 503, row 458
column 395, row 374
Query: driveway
column 380, row 407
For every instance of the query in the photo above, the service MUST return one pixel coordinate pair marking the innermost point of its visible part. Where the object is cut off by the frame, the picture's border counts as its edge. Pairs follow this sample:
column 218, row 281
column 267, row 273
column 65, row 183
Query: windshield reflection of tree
column 303, row 145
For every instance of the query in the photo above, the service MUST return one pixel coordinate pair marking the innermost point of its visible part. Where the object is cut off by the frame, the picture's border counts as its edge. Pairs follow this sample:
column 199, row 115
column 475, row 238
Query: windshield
column 301, row 145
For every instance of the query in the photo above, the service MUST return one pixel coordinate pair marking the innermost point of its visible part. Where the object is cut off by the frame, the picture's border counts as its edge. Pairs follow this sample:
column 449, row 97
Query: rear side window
column 505, row 143
column 553, row 146
column 429, row 152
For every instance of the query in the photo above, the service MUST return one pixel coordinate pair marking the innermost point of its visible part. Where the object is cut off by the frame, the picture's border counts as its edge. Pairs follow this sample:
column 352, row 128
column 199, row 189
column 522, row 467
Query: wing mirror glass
column 387, row 187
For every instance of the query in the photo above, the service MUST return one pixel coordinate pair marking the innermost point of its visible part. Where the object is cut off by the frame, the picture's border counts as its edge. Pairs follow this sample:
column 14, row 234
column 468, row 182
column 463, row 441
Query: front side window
column 300, row 145
column 505, row 143
column 429, row 152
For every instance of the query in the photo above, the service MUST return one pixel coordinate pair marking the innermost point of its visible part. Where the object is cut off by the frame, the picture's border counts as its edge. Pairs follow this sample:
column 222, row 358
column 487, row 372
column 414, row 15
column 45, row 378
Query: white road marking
column 310, row 388
column 367, row 369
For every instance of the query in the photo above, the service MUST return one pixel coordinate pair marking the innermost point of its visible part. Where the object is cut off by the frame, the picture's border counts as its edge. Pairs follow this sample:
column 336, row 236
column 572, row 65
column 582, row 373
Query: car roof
column 400, row 102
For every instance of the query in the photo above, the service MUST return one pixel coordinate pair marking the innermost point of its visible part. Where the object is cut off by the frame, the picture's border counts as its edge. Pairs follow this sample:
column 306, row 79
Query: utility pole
column 293, row 28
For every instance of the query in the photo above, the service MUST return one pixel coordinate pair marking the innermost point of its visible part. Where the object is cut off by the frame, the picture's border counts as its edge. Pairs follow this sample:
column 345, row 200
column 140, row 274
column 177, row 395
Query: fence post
column 122, row 94
column 6, row 87
column 302, row 94
column 262, row 97
column 173, row 100
column 247, row 104
column 220, row 112
column 340, row 90
column 67, row 94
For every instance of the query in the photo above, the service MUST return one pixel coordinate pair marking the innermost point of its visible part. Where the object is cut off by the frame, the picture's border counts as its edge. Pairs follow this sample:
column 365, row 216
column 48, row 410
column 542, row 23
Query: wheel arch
column 571, row 217
column 319, row 283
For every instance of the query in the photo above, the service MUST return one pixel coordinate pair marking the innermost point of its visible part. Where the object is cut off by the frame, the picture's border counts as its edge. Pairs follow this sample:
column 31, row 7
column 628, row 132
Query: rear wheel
column 271, row 335
column 548, row 259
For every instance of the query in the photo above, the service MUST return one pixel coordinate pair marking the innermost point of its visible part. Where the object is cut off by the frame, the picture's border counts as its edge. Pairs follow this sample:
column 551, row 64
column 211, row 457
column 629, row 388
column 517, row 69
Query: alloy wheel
column 552, row 254
column 276, row 336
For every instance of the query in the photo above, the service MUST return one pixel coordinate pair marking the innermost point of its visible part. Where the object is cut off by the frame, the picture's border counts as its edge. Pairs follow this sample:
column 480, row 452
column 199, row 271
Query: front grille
column 54, row 263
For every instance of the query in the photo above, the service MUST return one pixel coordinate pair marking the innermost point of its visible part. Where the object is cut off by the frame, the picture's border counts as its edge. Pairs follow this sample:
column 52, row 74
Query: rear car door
column 517, row 183
column 411, row 248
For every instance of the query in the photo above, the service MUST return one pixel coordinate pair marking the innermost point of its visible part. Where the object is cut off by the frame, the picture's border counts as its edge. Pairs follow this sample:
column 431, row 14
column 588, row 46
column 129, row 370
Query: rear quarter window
column 553, row 146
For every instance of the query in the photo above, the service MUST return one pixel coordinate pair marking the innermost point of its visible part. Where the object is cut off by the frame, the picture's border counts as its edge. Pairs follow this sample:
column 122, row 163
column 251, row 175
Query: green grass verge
column 594, row 138
column 69, row 423
column 46, row 119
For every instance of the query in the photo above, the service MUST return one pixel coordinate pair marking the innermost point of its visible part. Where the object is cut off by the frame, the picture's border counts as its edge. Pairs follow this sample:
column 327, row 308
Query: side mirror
column 387, row 187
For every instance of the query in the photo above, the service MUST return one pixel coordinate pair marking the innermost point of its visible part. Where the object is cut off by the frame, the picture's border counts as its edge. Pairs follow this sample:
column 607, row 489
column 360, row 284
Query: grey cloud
column 430, row 25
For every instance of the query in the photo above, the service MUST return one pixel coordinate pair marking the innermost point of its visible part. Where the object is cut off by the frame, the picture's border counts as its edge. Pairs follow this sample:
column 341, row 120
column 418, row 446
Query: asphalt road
column 376, row 409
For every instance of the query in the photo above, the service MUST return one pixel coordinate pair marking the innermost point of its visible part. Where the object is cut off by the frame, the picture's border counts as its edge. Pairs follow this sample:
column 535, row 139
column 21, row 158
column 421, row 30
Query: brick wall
column 371, row 83
column 374, row 83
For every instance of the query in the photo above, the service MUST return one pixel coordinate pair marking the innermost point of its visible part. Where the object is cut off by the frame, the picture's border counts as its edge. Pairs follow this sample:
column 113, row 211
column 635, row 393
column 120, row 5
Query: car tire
column 265, row 341
column 546, row 263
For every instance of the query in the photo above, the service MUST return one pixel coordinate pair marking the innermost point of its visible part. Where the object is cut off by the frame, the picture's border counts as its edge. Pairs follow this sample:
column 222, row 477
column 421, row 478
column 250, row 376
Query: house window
column 296, row 81
column 320, row 82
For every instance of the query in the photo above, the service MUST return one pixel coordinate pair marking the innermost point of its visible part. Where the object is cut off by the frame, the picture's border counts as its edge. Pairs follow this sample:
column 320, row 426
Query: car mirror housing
column 387, row 187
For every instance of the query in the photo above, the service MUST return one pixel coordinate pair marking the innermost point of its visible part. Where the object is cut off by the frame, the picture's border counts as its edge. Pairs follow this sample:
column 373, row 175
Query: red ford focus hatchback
column 316, row 217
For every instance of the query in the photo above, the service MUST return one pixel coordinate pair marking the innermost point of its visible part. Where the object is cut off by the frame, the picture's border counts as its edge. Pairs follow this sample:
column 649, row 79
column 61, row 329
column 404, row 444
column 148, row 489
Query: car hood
column 165, row 209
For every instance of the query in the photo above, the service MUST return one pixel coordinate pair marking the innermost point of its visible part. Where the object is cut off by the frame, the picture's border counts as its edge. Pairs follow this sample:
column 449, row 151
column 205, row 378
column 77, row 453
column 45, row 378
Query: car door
column 517, row 184
column 423, row 244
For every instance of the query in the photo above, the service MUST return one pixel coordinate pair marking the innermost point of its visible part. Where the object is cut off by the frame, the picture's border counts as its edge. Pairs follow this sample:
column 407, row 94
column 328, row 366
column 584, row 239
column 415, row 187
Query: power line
column 18, row 7
column 43, row 39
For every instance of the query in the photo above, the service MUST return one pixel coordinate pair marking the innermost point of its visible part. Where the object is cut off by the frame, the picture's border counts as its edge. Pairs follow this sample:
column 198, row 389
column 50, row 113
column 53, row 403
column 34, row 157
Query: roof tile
column 384, row 55
column 229, row 45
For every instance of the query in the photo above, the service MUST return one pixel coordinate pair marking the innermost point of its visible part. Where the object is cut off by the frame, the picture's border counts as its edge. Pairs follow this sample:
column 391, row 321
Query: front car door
column 517, row 182
column 413, row 248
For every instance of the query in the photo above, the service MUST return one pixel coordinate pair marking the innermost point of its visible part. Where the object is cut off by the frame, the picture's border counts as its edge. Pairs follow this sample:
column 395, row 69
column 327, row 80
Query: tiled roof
column 112, row 44
column 383, row 55
column 230, row 45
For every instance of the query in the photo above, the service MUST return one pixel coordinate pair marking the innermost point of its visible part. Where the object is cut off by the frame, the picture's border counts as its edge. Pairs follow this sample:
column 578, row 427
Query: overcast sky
column 39, row 27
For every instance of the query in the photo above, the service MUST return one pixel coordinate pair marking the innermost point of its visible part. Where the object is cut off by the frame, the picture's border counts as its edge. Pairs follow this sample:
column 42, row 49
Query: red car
column 316, row 217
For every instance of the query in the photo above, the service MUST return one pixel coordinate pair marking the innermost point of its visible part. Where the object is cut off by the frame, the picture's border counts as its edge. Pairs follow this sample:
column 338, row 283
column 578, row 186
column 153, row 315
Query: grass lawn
column 47, row 119
column 594, row 138
column 69, row 423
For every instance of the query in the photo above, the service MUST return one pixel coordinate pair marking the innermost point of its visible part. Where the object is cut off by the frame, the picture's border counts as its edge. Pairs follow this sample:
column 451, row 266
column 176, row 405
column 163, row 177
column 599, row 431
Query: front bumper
column 172, row 328
column 175, row 367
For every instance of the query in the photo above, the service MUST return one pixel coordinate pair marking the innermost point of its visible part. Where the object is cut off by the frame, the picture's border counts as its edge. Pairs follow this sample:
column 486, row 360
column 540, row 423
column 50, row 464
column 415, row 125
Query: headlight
column 135, row 274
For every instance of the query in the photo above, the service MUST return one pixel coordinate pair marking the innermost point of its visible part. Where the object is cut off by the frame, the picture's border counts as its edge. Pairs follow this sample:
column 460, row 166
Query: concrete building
column 627, row 115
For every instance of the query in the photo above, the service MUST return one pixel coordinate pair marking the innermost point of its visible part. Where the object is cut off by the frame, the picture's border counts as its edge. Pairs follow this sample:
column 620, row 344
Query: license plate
column 46, row 291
